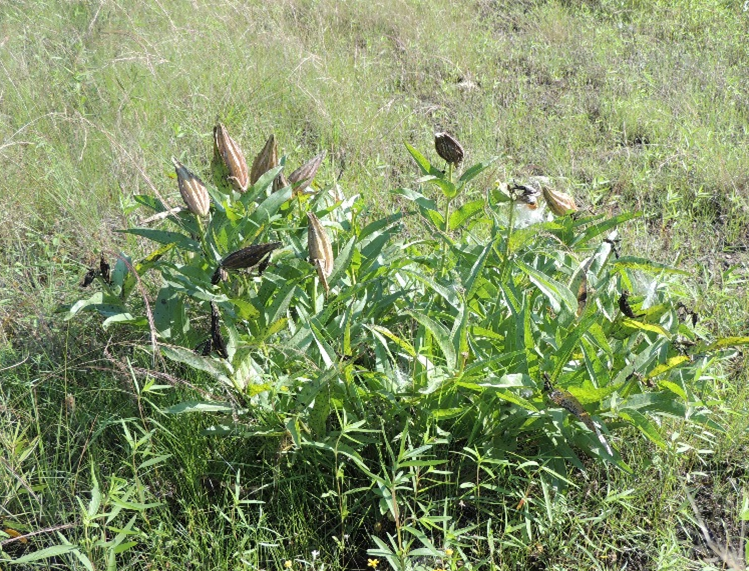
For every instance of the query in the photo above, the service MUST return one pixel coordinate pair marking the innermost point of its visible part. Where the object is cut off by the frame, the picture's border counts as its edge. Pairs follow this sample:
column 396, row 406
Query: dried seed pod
column 559, row 202
column 320, row 249
column 266, row 160
column 526, row 194
column 279, row 182
column 304, row 174
column 104, row 270
column 228, row 152
column 217, row 340
column 249, row 256
column 625, row 307
column 192, row 189
column 89, row 278
column 448, row 148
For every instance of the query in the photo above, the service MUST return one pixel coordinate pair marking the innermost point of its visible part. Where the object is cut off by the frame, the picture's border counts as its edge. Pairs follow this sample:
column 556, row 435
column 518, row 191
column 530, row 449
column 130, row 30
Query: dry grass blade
column 303, row 176
column 227, row 151
column 320, row 249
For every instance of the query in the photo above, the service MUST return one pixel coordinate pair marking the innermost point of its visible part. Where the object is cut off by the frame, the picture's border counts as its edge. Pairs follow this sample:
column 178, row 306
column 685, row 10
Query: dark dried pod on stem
column 217, row 340
column 448, row 148
column 245, row 258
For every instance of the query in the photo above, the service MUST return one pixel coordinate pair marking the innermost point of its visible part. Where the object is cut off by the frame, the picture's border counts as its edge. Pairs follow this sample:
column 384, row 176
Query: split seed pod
column 228, row 152
column 320, row 249
column 526, row 195
column 304, row 174
column 559, row 202
column 192, row 189
column 448, row 148
column 245, row 258
column 266, row 160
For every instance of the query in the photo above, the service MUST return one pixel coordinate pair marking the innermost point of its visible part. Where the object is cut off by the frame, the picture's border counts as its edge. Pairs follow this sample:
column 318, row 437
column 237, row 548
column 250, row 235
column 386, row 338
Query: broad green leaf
column 199, row 406
column 402, row 343
column 643, row 424
column 728, row 342
column 465, row 213
column 46, row 553
column 556, row 292
column 217, row 369
column 342, row 261
column 601, row 227
column 440, row 334
column 635, row 263
column 472, row 172
column 165, row 237
column 667, row 366
column 424, row 164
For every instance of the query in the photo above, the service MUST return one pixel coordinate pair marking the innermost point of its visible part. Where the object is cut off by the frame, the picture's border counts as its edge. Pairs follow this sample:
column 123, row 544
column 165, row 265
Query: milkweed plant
column 498, row 323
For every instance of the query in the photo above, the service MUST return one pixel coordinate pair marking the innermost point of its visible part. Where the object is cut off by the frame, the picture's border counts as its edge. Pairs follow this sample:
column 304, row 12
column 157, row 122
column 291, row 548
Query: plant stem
column 447, row 221
column 506, row 253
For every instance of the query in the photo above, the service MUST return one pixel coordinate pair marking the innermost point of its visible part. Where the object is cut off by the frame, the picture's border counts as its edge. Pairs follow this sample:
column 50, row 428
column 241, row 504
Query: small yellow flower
column 449, row 552
column 288, row 564
column 373, row 563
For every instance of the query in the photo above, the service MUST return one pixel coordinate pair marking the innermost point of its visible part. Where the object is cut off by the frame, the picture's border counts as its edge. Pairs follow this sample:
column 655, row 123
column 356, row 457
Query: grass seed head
column 266, row 160
column 192, row 189
column 231, row 155
column 448, row 148
column 304, row 175
column 320, row 249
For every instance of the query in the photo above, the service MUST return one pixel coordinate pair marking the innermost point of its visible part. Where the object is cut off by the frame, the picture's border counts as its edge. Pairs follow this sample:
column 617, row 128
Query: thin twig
column 38, row 532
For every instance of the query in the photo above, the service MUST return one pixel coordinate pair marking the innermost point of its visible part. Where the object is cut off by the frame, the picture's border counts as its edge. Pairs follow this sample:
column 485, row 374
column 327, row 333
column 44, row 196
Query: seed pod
column 217, row 340
column 559, row 202
column 320, row 249
column 279, row 182
column 448, row 148
column 192, row 189
column 227, row 151
column 526, row 195
column 104, row 270
column 304, row 174
column 266, row 160
column 249, row 256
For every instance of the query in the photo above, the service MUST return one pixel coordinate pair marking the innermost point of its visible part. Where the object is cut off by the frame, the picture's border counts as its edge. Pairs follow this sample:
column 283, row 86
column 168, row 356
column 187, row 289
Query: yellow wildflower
column 448, row 552
column 288, row 564
column 373, row 563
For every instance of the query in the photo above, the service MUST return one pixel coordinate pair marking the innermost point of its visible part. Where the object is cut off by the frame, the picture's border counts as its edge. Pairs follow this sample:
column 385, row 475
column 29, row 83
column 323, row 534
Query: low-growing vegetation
column 259, row 366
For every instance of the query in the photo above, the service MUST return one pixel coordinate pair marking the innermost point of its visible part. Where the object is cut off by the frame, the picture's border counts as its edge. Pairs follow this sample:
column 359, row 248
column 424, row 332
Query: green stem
column 447, row 221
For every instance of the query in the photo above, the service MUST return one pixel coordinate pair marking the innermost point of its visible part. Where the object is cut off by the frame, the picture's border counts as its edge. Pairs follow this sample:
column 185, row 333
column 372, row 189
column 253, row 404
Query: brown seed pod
column 104, row 270
column 227, row 150
column 266, row 160
column 192, row 189
column 279, row 182
column 217, row 340
column 320, row 249
column 559, row 202
column 448, row 148
column 304, row 174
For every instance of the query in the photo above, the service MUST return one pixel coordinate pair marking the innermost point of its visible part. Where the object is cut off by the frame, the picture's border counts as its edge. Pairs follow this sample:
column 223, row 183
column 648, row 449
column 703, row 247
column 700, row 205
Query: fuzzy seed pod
column 526, row 194
column 280, row 182
column 448, row 148
column 228, row 152
column 304, row 174
column 192, row 189
column 266, row 160
column 320, row 249
column 559, row 202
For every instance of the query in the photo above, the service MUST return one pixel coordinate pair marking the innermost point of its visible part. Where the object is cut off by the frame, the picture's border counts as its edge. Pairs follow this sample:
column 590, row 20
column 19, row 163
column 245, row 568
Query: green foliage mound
column 449, row 330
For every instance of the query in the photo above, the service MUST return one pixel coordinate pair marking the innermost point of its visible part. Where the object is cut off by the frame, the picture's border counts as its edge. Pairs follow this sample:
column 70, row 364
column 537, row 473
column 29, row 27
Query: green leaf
column 601, row 227
column 728, row 342
column 554, row 291
column 165, row 237
column 649, row 327
column 635, row 263
column 217, row 369
column 54, row 551
column 199, row 406
column 643, row 425
column 342, row 261
column 472, row 172
column 465, row 213
column 667, row 366
column 440, row 334
column 424, row 164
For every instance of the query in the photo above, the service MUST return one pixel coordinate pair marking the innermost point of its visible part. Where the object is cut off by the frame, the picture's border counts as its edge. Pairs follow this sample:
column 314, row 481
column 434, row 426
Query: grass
column 637, row 105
